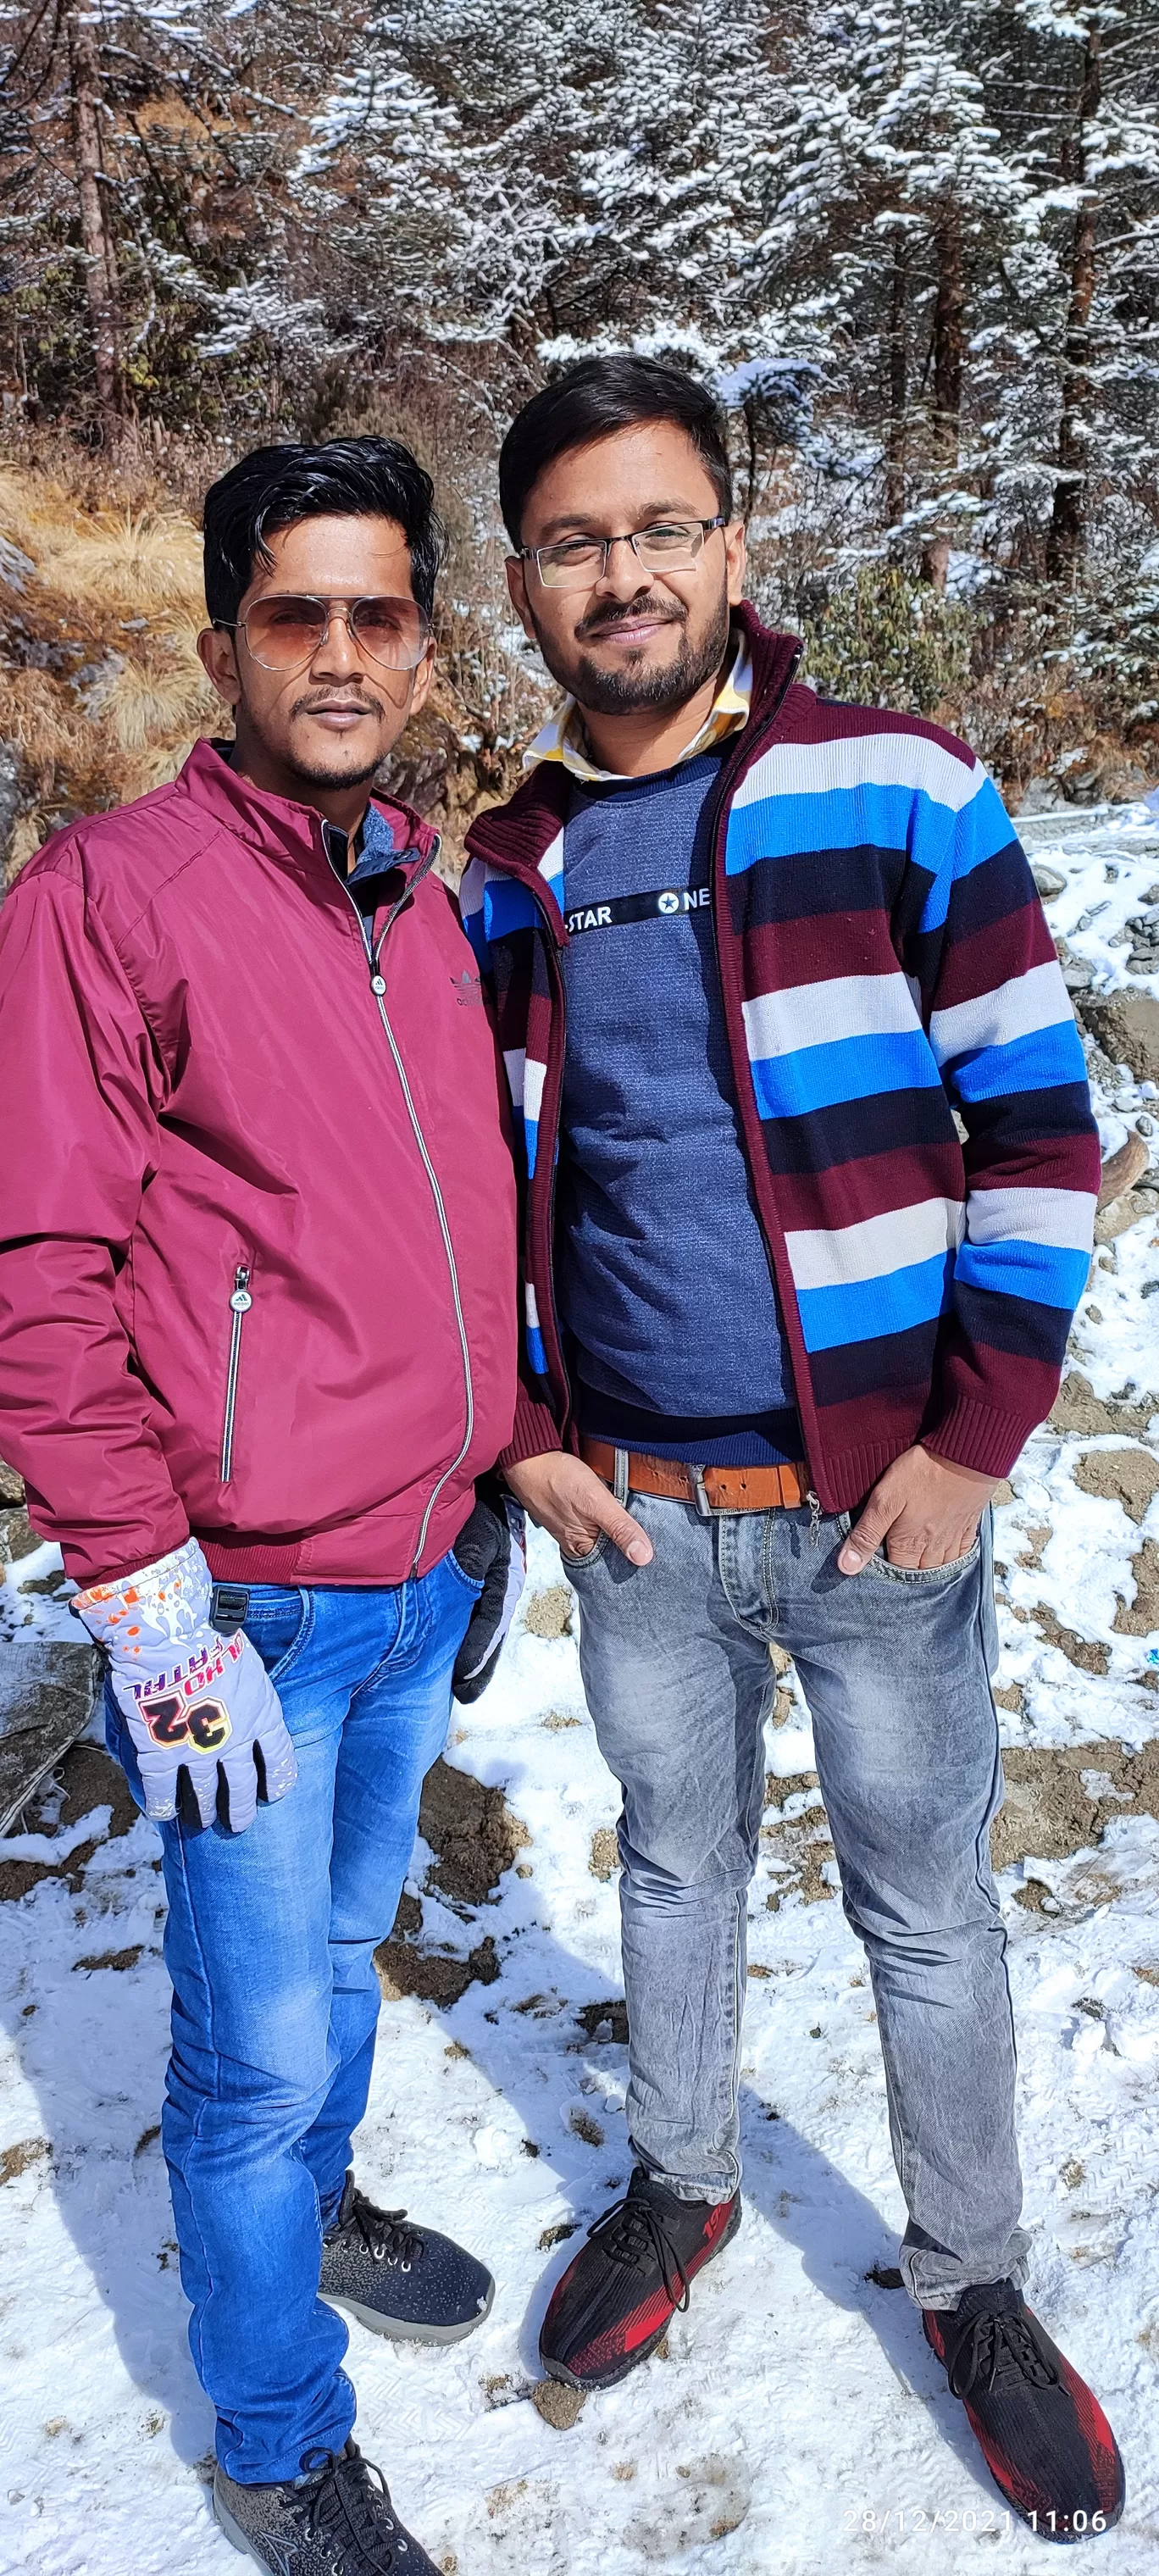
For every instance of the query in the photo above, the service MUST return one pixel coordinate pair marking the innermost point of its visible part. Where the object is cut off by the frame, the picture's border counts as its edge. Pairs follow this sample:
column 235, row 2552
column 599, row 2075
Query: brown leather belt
column 714, row 1489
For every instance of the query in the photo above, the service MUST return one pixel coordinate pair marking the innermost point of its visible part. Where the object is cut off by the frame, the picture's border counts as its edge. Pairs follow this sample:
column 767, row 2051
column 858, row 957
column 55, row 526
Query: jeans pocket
column 924, row 1574
column 279, row 1623
column 471, row 1584
column 573, row 1565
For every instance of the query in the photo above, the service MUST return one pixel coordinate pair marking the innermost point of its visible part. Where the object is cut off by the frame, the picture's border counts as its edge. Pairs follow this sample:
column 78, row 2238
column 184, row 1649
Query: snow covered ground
column 797, row 2421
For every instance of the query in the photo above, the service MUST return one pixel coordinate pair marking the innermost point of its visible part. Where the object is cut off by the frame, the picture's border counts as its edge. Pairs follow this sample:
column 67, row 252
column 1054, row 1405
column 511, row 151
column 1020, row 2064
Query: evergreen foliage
column 914, row 244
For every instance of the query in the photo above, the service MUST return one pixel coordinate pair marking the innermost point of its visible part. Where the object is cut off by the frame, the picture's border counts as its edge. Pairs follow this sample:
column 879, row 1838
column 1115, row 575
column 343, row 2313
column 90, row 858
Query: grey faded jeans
column 895, row 1667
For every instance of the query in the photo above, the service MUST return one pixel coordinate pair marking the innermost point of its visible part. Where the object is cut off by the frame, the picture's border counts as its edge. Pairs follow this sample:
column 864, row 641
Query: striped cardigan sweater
column 885, row 962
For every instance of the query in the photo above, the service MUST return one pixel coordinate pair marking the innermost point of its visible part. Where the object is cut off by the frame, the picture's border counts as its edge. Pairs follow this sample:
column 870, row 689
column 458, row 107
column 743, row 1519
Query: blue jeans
column 895, row 1667
column 270, row 1945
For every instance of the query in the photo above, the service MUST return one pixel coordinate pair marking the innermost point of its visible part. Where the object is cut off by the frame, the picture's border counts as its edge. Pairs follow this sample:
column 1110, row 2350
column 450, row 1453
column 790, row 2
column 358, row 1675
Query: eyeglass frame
column 531, row 554
column 345, row 606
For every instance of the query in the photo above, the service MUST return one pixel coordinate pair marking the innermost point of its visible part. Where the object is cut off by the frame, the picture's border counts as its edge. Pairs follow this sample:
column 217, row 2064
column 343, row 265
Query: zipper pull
column 241, row 1300
column 378, row 984
column 814, row 1503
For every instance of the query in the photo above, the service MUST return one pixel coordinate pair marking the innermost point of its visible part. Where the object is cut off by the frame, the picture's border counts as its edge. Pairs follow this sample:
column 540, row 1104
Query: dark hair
column 348, row 478
column 595, row 398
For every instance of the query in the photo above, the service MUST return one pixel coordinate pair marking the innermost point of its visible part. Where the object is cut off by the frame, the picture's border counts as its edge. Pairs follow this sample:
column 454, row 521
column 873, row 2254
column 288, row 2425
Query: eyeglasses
column 284, row 631
column 672, row 545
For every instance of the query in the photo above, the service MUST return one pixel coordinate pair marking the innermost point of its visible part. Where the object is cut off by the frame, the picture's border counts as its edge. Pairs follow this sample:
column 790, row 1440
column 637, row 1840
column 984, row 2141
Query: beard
column 323, row 777
column 321, row 772
column 635, row 685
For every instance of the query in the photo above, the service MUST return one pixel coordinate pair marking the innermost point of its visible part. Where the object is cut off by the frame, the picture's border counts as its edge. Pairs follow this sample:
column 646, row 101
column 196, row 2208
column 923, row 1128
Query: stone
column 11, row 1485
column 1049, row 881
column 605, row 2021
column 604, row 1858
column 1078, row 1410
column 548, row 1613
column 17, row 1536
column 1043, row 796
column 1051, row 1810
column 433, row 1976
column 471, row 1831
column 1126, row 1025
column 1142, row 1619
column 1088, row 1654
column 1122, row 1214
column 1121, row 1171
column 559, row 2405
column 1126, row 1476
column 47, row 1695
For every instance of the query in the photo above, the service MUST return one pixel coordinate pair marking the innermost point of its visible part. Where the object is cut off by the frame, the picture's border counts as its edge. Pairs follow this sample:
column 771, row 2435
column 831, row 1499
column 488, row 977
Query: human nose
column 336, row 654
column 622, row 575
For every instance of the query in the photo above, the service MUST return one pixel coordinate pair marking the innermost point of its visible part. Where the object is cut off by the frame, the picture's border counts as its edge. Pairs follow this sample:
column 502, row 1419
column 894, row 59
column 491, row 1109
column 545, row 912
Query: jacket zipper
column 378, row 988
column 240, row 1303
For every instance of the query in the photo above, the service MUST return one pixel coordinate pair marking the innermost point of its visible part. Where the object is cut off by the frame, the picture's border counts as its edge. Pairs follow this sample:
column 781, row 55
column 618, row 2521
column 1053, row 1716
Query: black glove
column 492, row 1549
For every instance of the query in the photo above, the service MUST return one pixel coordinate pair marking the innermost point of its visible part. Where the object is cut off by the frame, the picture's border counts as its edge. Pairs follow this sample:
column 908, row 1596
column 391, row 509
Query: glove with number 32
column 195, row 1702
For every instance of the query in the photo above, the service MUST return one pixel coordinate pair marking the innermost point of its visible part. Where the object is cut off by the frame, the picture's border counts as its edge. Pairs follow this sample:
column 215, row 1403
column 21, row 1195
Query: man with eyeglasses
column 257, row 1343
column 751, row 953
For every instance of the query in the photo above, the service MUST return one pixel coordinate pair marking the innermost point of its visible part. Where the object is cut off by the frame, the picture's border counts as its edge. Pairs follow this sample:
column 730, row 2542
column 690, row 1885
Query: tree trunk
column 895, row 429
column 1067, row 538
column 949, row 338
column 100, row 269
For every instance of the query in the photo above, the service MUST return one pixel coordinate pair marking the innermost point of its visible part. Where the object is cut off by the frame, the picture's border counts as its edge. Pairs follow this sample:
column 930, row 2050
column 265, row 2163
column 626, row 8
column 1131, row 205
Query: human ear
column 517, row 585
column 421, row 679
column 736, row 559
column 217, row 653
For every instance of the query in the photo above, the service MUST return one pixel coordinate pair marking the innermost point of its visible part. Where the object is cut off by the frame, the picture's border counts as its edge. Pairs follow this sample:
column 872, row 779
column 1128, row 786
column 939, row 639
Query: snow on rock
column 795, row 2419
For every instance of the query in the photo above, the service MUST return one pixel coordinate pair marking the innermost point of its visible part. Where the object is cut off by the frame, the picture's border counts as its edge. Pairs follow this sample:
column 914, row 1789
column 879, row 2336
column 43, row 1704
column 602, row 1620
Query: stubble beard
column 321, row 773
column 331, row 778
column 617, row 693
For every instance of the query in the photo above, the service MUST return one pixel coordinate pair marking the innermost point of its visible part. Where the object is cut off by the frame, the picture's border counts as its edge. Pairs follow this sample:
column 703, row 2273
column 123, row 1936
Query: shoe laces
column 633, row 2230
column 1000, row 2344
column 345, row 2515
column 384, row 2235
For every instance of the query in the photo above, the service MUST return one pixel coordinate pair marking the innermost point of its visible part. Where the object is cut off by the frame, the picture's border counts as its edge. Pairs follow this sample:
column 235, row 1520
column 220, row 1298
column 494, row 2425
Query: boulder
column 1126, row 1025
column 47, row 1692
column 1122, row 1170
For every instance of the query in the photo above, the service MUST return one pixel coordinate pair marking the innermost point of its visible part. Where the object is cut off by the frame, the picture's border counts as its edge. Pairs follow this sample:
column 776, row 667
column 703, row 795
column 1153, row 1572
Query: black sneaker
column 399, row 2279
column 1045, row 2439
column 612, row 2306
column 337, row 2522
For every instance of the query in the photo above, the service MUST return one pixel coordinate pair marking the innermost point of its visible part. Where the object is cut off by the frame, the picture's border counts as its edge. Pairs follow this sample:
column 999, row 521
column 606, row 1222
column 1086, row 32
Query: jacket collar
column 278, row 826
column 515, row 836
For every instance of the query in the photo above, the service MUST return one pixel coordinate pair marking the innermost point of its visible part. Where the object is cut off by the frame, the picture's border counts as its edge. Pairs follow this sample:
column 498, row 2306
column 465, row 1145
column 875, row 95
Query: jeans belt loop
column 703, row 1505
column 620, row 1480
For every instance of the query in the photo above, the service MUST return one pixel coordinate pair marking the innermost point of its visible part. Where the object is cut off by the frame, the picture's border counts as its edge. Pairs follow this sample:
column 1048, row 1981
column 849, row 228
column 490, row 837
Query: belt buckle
column 229, row 1608
column 704, row 1507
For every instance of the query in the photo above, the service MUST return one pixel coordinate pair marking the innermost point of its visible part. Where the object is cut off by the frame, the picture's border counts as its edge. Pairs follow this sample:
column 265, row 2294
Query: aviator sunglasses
column 284, row 631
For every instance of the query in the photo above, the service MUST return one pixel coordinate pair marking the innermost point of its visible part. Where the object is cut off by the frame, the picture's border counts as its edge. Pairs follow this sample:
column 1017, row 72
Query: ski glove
column 492, row 1548
column 202, row 1712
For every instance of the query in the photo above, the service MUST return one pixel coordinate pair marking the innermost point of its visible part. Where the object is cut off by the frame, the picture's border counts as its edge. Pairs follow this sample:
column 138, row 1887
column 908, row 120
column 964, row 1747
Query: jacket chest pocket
column 240, row 1302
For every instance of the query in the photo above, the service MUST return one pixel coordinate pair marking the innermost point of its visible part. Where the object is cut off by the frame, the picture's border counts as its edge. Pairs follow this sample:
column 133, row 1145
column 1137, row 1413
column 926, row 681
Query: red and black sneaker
column 1045, row 2439
column 611, row 2307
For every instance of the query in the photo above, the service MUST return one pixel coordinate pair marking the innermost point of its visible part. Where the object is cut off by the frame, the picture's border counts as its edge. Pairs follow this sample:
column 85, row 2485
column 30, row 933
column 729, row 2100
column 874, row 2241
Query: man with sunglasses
column 751, row 953
column 257, row 1304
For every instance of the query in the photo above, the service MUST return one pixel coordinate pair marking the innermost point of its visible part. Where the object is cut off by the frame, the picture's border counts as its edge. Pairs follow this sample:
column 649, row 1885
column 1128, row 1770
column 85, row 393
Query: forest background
column 915, row 249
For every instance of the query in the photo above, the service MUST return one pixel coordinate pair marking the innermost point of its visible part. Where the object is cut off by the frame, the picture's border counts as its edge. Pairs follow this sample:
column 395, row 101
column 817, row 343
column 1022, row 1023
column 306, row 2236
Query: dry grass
column 100, row 608
column 99, row 615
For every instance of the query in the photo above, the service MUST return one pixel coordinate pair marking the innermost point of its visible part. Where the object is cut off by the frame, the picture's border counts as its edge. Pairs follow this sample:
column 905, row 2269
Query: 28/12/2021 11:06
column 878, row 2522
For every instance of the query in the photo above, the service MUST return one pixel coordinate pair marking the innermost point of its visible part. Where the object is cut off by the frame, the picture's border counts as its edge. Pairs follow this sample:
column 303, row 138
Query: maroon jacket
column 258, row 1255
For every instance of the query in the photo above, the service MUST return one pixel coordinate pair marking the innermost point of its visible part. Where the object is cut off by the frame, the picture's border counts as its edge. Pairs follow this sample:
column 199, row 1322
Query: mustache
column 602, row 621
column 315, row 698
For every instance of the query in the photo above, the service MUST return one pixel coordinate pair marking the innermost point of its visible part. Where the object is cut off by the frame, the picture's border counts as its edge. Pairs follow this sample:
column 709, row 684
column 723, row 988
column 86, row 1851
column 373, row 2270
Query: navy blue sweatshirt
column 666, row 1295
